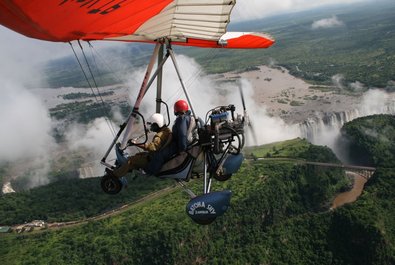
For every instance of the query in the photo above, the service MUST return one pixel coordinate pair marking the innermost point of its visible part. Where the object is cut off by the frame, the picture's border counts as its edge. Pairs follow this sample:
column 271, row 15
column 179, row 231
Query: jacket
column 159, row 141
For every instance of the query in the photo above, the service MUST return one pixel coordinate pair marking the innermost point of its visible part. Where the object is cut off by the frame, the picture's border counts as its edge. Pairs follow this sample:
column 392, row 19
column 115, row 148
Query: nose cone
column 207, row 207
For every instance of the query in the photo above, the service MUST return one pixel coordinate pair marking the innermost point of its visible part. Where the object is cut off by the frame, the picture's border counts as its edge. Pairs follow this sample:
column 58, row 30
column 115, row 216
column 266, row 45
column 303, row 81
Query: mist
column 373, row 101
column 377, row 101
column 199, row 86
column 27, row 144
column 206, row 93
column 337, row 81
column 26, row 139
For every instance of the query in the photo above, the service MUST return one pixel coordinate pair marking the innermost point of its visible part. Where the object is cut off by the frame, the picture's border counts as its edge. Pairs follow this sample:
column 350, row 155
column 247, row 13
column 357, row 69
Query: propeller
column 247, row 121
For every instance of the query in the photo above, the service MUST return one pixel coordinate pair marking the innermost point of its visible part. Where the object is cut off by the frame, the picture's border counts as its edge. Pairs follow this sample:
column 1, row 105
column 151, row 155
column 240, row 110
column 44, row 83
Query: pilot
column 140, row 161
column 182, row 136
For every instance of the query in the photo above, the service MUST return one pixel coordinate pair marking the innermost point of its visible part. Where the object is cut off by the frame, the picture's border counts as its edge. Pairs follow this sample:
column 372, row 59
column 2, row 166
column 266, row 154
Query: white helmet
column 158, row 119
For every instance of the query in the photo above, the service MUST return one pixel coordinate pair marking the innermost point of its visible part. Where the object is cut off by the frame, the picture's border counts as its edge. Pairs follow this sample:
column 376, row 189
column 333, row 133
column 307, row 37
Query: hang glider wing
column 199, row 23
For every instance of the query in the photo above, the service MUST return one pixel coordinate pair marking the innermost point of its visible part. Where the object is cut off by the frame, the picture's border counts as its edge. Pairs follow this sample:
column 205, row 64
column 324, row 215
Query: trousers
column 139, row 160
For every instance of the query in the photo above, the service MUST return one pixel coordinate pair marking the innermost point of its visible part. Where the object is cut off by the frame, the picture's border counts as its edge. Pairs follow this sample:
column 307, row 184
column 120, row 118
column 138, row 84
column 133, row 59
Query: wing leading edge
column 200, row 23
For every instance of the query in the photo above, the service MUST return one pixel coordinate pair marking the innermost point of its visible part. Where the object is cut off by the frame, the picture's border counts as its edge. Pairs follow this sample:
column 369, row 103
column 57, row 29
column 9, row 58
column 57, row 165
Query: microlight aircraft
column 200, row 23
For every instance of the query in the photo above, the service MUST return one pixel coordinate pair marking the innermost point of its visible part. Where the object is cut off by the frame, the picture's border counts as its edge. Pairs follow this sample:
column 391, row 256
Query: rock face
column 313, row 129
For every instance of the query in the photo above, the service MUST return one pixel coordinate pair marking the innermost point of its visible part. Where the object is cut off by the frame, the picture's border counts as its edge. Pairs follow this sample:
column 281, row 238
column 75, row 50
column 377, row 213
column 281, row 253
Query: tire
column 111, row 184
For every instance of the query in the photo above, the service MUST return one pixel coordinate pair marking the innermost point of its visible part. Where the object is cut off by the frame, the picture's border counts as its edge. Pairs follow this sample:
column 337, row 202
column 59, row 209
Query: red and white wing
column 199, row 23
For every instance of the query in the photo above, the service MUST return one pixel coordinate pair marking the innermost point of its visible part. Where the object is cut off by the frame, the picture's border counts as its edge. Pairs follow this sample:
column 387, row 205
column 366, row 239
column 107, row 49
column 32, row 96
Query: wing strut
column 147, row 82
column 173, row 58
column 129, row 122
column 159, row 81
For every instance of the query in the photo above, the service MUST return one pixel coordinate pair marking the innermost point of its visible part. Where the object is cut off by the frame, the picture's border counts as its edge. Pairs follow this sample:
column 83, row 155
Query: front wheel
column 111, row 184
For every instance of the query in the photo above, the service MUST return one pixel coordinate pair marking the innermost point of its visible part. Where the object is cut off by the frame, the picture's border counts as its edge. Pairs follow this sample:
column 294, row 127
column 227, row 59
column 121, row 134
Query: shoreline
column 351, row 195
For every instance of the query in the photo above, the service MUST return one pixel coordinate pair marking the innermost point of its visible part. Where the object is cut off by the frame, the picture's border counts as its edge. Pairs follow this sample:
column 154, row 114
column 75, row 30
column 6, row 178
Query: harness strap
column 191, row 133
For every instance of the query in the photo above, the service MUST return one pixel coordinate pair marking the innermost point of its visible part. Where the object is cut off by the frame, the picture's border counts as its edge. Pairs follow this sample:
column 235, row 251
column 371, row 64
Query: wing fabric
column 234, row 40
column 182, row 19
column 199, row 23
column 68, row 20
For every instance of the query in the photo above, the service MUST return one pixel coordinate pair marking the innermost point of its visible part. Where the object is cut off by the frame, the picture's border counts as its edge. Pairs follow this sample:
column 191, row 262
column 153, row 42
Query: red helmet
column 181, row 106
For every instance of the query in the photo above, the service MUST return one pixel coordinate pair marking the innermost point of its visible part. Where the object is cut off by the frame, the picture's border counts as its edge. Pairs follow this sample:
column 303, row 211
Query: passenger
column 181, row 138
column 141, row 160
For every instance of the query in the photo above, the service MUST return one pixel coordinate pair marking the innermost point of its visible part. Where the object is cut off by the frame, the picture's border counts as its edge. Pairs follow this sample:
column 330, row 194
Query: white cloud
column 95, row 137
column 25, row 122
column 327, row 23
column 21, row 55
column 25, row 137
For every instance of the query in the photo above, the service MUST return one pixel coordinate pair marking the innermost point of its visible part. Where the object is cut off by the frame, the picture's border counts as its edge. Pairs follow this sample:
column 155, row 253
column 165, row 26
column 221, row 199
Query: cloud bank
column 25, row 137
column 25, row 122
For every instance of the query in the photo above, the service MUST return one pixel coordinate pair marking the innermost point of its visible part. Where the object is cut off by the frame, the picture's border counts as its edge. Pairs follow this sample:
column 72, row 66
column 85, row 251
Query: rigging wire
column 116, row 77
column 110, row 125
column 99, row 73
column 90, row 85
column 110, row 69
column 96, row 67
column 119, row 79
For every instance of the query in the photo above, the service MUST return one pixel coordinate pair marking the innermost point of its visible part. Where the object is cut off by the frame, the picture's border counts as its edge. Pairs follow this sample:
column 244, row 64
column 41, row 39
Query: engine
column 223, row 130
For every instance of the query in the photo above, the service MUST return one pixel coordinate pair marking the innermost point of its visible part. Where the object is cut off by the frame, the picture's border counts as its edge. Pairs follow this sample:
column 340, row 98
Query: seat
column 180, row 166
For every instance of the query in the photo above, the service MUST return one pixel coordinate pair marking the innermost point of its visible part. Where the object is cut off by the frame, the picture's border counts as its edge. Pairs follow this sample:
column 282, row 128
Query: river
column 351, row 195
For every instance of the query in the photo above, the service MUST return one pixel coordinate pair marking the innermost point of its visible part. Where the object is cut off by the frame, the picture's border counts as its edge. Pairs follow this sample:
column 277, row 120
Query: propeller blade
column 252, row 131
column 247, row 121
column 242, row 97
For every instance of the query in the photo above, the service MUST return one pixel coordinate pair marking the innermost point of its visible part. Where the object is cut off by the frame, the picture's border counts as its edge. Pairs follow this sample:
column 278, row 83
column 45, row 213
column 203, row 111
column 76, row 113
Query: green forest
column 86, row 111
column 372, row 139
column 279, row 215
